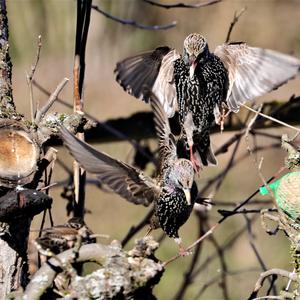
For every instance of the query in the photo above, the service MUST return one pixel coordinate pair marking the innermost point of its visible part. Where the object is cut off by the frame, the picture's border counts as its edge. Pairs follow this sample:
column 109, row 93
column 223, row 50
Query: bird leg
column 194, row 160
column 221, row 116
column 189, row 128
column 182, row 251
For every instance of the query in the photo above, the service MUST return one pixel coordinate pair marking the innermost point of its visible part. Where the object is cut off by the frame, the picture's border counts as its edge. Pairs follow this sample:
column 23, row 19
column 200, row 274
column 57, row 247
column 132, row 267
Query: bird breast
column 172, row 211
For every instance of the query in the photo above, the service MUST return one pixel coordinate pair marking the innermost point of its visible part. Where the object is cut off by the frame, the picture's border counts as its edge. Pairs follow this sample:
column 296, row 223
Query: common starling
column 201, row 84
column 62, row 237
column 173, row 191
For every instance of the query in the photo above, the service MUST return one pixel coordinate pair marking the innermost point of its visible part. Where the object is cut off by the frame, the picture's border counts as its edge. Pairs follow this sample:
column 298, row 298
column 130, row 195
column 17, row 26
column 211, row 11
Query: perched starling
column 62, row 237
column 201, row 84
column 173, row 191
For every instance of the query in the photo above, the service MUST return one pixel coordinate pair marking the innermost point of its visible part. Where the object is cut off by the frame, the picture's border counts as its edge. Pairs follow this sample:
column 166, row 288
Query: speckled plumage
column 198, row 82
column 199, row 96
column 172, row 210
column 173, row 191
column 62, row 237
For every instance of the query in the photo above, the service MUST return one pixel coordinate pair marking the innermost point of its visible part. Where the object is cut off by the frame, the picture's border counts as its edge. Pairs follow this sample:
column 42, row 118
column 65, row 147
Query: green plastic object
column 287, row 193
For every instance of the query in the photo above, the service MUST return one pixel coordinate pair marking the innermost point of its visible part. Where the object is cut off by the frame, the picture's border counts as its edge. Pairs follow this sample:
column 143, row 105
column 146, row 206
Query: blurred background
column 266, row 23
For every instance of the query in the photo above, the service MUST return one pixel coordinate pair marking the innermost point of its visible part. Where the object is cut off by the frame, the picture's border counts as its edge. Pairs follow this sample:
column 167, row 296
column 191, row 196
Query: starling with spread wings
column 173, row 191
column 200, row 83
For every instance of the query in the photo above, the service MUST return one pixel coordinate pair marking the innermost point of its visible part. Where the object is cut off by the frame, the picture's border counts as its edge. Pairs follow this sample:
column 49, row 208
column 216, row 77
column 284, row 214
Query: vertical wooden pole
column 82, row 27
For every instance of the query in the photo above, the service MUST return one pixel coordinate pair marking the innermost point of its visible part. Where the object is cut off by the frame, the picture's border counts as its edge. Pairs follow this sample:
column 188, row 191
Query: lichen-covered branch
column 283, row 273
column 120, row 273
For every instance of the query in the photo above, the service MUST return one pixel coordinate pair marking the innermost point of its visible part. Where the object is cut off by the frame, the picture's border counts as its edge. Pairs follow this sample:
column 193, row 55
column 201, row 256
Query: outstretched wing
column 167, row 142
column 123, row 179
column 153, row 69
column 254, row 72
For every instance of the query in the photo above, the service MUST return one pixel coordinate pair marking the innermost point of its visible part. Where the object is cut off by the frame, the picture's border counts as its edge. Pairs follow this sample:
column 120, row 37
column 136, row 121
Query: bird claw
column 222, row 117
column 183, row 252
column 194, row 161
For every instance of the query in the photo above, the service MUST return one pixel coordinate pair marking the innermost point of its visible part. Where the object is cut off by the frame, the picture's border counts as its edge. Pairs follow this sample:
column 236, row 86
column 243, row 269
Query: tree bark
column 14, row 233
column 6, row 65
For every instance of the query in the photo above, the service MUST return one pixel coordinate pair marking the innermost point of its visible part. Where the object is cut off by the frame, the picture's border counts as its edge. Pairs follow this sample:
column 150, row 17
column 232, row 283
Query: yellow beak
column 187, row 194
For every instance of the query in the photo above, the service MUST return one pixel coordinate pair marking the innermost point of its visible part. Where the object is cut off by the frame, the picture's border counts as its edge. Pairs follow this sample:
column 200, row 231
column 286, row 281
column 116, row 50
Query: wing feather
column 122, row 178
column 166, row 140
column 153, row 69
column 254, row 72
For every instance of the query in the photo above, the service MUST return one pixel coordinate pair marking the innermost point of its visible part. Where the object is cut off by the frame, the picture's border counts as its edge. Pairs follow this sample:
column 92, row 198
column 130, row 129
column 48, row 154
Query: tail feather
column 202, row 147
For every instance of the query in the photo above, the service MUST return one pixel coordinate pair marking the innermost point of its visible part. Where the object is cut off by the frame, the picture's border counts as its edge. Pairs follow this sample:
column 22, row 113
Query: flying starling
column 173, row 191
column 201, row 84
column 59, row 238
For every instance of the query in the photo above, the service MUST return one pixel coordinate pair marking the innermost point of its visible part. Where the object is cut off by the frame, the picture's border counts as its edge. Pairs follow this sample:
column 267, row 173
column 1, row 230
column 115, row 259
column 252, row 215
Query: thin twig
column 226, row 245
column 104, row 125
column 257, row 164
column 266, row 134
column 250, row 125
column 236, row 17
column 132, row 22
column 228, row 166
column 271, row 118
column 224, row 268
column 254, row 248
column 182, row 5
column 224, row 212
column 216, row 279
column 29, row 78
column 230, row 204
column 269, row 297
column 283, row 273
column 53, row 97
column 196, row 255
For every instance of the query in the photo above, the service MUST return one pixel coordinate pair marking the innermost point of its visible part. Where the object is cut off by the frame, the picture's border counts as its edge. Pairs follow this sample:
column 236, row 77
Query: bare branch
column 255, row 250
column 227, row 245
column 127, row 271
column 213, row 228
column 224, row 267
column 132, row 22
column 182, row 5
column 107, row 128
column 53, row 97
column 224, row 212
column 196, row 256
column 292, row 276
column 236, row 17
column 271, row 118
column 30, row 76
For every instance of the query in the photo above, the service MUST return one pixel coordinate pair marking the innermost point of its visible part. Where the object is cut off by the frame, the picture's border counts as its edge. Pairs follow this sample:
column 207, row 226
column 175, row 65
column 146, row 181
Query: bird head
column 194, row 48
column 182, row 176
